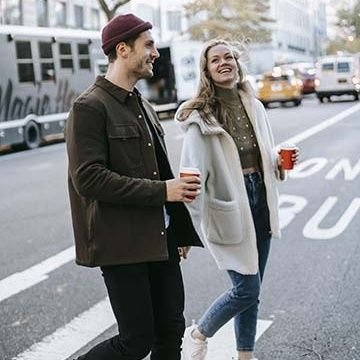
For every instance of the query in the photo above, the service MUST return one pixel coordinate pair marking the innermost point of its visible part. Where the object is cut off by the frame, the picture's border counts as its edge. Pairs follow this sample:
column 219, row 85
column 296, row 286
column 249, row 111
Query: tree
column 229, row 19
column 348, row 24
column 341, row 45
column 111, row 11
column 348, row 20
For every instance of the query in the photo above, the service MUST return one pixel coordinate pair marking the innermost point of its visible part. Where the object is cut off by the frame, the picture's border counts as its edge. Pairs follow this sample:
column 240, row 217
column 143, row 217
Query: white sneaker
column 193, row 349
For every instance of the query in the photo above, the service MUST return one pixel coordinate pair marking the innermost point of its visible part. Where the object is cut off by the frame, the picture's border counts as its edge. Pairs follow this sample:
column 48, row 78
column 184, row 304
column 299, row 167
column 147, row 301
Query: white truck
column 42, row 71
column 176, row 74
column 337, row 75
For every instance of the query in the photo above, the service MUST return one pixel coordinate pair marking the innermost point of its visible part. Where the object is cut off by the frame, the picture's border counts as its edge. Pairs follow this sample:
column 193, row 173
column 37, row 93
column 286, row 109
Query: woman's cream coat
column 221, row 213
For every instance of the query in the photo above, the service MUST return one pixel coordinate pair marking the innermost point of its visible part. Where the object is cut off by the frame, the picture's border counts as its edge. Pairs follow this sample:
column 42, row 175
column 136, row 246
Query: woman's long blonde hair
column 205, row 101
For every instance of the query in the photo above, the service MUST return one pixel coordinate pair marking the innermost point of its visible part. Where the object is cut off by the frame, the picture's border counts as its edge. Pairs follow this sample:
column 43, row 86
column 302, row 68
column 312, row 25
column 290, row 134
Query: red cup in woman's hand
column 287, row 152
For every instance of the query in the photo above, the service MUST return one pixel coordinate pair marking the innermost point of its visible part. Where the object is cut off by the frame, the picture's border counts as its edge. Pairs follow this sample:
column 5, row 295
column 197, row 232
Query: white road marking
column 20, row 281
column 83, row 329
column 87, row 326
column 323, row 125
column 73, row 336
column 222, row 346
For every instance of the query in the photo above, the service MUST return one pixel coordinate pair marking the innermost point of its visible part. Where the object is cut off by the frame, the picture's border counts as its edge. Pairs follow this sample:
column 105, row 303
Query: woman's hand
column 294, row 157
column 183, row 251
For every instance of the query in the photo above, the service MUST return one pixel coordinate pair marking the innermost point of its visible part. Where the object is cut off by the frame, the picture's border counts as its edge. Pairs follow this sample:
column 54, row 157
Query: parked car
column 280, row 86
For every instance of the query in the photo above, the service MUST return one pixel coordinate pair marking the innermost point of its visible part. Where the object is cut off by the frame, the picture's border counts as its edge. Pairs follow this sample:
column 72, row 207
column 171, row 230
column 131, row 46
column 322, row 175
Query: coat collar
column 248, row 99
column 116, row 91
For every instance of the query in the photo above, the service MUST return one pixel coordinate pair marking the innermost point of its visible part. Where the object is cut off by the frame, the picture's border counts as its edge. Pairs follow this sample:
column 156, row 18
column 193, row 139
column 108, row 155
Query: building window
column 95, row 19
column 66, row 60
column 24, row 61
column 84, row 56
column 79, row 16
column 13, row 12
column 46, row 61
column 60, row 13
column 174, row 20
column 42, row 10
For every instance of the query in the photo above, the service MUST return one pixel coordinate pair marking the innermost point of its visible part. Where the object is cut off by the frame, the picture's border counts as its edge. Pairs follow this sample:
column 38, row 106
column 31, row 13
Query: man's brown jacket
column 116, row 194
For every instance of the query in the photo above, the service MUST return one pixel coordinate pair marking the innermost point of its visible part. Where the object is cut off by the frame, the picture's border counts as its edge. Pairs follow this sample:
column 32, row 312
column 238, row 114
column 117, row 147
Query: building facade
column 298, row 34
column 80, row 14
column 168, row 17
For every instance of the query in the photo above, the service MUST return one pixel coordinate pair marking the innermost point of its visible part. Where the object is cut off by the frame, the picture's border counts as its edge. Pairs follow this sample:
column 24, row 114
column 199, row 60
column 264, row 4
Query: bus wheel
column 356, row 97
column 32, row 137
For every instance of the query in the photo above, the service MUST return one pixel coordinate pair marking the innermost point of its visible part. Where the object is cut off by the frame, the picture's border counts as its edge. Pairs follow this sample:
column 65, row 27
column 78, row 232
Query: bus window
column 66, row 60
column 46, row 61
column 24, row 61
column 84, row 56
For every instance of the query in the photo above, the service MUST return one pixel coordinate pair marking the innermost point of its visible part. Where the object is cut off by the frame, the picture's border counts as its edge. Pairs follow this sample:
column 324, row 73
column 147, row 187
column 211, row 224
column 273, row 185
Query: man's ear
column 122, row 49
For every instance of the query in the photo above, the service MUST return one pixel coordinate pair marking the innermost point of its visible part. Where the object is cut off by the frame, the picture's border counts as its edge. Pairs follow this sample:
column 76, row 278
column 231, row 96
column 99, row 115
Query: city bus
column 42, row 71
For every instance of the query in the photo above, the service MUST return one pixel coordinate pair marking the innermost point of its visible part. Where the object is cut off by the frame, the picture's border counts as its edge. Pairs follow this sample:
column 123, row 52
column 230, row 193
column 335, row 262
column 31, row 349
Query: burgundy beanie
column 120, row 28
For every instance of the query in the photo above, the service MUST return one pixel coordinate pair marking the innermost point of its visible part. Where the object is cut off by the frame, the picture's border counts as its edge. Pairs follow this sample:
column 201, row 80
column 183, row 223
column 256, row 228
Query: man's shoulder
column 90, row 97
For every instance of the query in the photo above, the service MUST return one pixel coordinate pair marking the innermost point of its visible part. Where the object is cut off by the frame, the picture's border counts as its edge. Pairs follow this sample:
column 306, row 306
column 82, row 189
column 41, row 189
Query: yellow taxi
column 280, row 86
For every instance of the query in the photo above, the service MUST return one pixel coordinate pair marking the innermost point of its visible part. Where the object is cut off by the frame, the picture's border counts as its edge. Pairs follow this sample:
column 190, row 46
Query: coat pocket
column 224, row 222
column 125, row 147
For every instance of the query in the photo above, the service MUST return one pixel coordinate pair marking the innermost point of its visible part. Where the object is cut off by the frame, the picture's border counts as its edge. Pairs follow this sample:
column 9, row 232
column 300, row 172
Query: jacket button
column 149, row 144
column 140, row 116
column 154, row 173
column 162, row 233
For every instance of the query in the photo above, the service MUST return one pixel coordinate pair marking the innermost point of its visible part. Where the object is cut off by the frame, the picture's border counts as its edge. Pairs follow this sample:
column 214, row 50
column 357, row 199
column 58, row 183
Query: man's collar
column 117, row 91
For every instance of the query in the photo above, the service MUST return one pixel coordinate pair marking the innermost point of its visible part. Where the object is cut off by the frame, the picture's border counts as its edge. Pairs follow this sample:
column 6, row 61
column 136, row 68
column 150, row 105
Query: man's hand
column 184, row 189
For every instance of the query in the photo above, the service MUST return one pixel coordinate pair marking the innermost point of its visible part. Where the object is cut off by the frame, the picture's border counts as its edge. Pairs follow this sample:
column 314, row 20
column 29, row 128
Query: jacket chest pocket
column 125, row 147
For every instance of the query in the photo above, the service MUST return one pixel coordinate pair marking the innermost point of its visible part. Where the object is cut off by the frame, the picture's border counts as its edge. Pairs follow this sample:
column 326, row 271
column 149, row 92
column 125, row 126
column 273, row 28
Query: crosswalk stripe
column 70, row 338
column 222, row 345
column 23, row 280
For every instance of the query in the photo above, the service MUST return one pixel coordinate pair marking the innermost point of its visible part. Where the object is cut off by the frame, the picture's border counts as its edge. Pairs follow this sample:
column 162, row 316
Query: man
column 128, row 212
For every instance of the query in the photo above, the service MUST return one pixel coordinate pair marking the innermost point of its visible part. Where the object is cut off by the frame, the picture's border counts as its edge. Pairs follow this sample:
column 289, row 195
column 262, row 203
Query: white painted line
column 83, row 329
column 69, row 339
column 322, row 126
column 222, row 346
column 20, row 281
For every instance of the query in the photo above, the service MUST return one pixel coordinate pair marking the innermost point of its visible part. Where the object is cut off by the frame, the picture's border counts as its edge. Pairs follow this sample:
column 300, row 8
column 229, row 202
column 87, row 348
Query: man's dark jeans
column 148, row 302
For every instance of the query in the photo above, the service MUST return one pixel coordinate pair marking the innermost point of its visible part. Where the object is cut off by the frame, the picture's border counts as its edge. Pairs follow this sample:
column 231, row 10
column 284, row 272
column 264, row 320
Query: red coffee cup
column 188, row 171
column 286, row 153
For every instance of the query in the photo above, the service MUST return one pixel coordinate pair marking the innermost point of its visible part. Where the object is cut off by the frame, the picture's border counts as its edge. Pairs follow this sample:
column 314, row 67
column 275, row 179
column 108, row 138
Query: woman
column 228, row 138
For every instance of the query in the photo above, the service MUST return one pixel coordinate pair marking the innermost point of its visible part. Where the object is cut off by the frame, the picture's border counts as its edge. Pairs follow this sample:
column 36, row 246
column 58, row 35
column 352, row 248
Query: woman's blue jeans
column 241, row 301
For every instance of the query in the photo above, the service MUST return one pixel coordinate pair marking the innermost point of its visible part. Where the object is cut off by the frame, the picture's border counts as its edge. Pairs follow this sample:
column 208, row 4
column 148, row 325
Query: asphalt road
column 310, row 296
